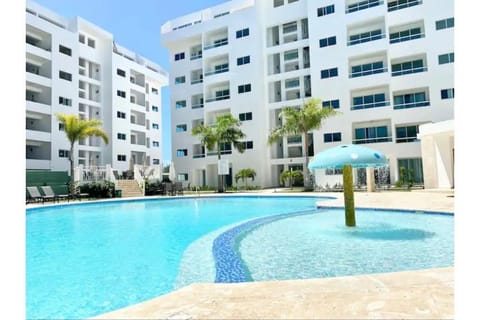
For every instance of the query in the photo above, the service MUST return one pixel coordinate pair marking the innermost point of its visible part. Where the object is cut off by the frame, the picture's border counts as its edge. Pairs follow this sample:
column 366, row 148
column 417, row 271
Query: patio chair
column 48, row 191
column 35, row 194
column 169, row 189
column 79, row 195
column 179, row 187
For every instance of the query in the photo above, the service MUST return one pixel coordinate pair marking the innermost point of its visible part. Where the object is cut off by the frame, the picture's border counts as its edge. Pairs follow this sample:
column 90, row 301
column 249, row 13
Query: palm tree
column 290, row 176
column 299, row 121
column 245, row 174
column 77, row 129
column 225, row 131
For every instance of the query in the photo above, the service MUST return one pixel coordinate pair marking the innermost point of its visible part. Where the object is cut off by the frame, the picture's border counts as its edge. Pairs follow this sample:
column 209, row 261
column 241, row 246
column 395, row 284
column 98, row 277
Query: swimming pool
column 87, row 259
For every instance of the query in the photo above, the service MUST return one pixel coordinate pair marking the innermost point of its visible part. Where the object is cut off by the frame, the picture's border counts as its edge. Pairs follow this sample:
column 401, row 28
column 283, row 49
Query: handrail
column 218, row 98
column 424, row 103
column 407, row 38
column 366, row 39
column 372, row 140
column 370, row 105
column 408, row 71
column 216, row 44
column 215, row 71
column 410, row 3
column 367, row 72
column 361, row 5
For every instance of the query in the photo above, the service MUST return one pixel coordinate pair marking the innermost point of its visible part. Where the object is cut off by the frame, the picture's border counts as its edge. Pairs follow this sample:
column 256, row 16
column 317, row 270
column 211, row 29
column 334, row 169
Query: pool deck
column 422, row 294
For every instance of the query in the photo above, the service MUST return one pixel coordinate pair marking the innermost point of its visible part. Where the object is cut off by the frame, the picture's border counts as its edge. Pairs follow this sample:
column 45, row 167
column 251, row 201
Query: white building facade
column 75, row 67
column 387, row 66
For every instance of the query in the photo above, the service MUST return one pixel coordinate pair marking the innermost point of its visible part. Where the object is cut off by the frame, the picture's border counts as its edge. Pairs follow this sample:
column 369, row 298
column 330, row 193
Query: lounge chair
column 35, row 194
column 169, row 189
column 179, row 187
column 48, row 191
column 79, row 195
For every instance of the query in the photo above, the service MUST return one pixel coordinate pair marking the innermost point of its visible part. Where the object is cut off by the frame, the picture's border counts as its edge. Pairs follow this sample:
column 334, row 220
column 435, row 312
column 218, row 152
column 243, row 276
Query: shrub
column 103, row 189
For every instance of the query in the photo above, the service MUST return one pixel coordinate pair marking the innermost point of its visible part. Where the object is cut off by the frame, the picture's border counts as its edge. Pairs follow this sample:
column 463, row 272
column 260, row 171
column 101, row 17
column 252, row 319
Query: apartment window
column 63, row 153
column 121, row 157
column 65, row 50
column 81, row 38
column 154, row 90
column 365, row 37
column 367, row 69
column 447, row 93
column 371, row 135
column 290, row 55
column 91, row 43
column 121, row 93
column 179, row 56
column 243, row 33
column 330, row 41
column 243, row 60
column 402, row 4
column 445, row 23
column 245, row 116
column 182, row 177
column 180, row 80
column 121, row 136
column 180, row 104
column 155, row 144
column 446, row 58
column 406, row 134
column 369, row 101
column 65, row 75
column 410, row 164
column 361, row 5
column 331, row 172
column 155, row 126
column 244, row 88
column 292, row 83
column 329, row 73
column 335, row 104
column 61, row 126
column 325, row 10
column 277, row 3
column 410, row 100
column 182, row 152
column 247, row 145
column 408, row 67
column 121, row 73
column 65, row 101
column 121, row 115
column 181, row 128
column 156, row 161
column 332, row 137
column 290, row 27
column 154, row 108
column 406, row 35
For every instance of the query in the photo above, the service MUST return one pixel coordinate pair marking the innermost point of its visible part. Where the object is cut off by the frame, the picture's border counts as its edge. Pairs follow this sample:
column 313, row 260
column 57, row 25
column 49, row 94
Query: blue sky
column 135, row 25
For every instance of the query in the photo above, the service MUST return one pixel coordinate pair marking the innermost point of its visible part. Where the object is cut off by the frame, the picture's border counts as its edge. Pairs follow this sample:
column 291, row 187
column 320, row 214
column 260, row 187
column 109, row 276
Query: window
column 61, row 126
column 182, row 177
column 155, row 144
column 245, row 88
column 408, row 67
column 406, row 134
column 371, row 135
column 405, row 35
column 121, row 115
column 325, row 10
column 121, row 73
column 179, row 80
column 182, row 152
column 81, row 38
column 332, row 137
column 181, row 128
column 121, row 136
column 445, row 23
column 402, row 4
column 91, row 43
column 154, row 108
column 290, row 27
column 121, row 157
column 292, row 83
column 180, row 104
column 243, row 33
column 410, row 100
column 156, row 161
column 369, row 101
column 154, row 91
column 245, row 116
column 365, row 4
column 290, row 55
column 277, row 3
column 330, row 41
column 247, row 145
column 243, row 60
column 331, row 172
column 335, row 104
column 329, row 73
column 65, row 75
column 179, row 56
column 447, row 93
column 63, row 153
column 155, row 126
column 367, row 69
column 65, row 50
column 412, row 165
column 121, row 93
column 65, row 101
column 446, row 58
column 365, row 37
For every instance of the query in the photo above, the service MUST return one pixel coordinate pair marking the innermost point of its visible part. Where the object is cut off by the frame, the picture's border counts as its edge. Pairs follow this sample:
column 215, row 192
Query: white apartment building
column 75, row 67
column 387, row 66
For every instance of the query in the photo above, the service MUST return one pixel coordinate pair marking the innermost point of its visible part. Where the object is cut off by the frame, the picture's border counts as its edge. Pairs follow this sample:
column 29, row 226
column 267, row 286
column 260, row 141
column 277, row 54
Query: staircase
column 129, row 188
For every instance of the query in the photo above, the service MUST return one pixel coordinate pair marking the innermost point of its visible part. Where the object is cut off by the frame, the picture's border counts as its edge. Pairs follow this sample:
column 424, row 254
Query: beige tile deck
column 422, row 294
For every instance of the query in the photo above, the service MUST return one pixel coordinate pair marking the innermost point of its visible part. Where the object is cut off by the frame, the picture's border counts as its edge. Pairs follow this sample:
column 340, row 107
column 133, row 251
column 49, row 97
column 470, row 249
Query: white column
column 370, row 180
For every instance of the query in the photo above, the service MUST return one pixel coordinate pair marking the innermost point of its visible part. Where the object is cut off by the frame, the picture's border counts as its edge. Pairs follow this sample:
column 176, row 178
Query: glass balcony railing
column 408, row 71
column 376, row 104
column 197, row 106
column 402, row 4
column 366, row 72
column 363, row 5
column 397, row 39
column 195, row 81
column 218, row 98
column 372, row 140
column 408, row 105
column 216, row 44
column 362, row 38
column 217, row 71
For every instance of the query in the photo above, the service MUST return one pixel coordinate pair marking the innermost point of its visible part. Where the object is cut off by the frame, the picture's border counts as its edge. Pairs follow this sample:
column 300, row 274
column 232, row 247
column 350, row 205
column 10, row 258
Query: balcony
column 366, row 37
column 367, row 69
column 406, row 35
column 402, row 4
column 216, row 43
column 218, row 69
column 362, row 5
column 408, row 67
column 219, row 97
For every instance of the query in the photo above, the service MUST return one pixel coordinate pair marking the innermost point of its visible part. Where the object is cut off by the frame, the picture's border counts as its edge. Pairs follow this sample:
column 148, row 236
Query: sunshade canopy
column 348, row 154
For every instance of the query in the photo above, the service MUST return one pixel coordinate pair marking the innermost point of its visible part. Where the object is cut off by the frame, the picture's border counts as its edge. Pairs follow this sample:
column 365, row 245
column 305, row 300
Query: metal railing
column 195, row 81
column 197, row 106
column 216, row 71
column 372, row 140
column 408, row 71
column 411, row 105
column 407, row 4
column 219, row 43
column 407, row 38
column 366, row 39
column 368, row 72
column 218, row 98
column 361, row 5
column 370, row 105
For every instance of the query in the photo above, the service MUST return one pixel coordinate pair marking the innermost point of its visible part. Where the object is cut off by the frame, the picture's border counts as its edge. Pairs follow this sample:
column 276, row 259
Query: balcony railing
column 197, row 106
column 377, row 104
column 367, row 72
column 372, row 140
column 198, row 155
column 407, row 37
column 363, row 5
column 402, row 4
column 406, row 139
column 217, row 43
column 411, row 105
column 408, row 71
column 224, row 97
column 196, row 56
column 294, row 139
column 195, row 81
column 216, row 71
column 366, row 39
column 214, row 153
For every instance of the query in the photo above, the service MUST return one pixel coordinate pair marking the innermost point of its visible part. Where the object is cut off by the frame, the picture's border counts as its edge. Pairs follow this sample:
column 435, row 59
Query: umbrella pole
column 348, row 196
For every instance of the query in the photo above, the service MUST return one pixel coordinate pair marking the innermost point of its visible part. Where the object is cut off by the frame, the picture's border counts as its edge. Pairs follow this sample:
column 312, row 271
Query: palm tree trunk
column 220, row 176
column 306, row 174
column 72, row 173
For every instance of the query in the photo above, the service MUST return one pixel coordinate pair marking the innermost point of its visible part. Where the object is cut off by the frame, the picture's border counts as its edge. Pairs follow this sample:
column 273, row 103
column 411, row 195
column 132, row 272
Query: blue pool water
column 83, row 260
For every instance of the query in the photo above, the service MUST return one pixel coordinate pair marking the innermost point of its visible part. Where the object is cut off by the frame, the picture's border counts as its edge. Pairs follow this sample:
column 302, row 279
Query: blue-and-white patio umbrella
column 346, row 157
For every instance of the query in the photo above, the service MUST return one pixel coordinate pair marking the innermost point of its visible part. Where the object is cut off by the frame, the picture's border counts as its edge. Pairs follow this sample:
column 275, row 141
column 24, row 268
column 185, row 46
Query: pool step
column 129, row 188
